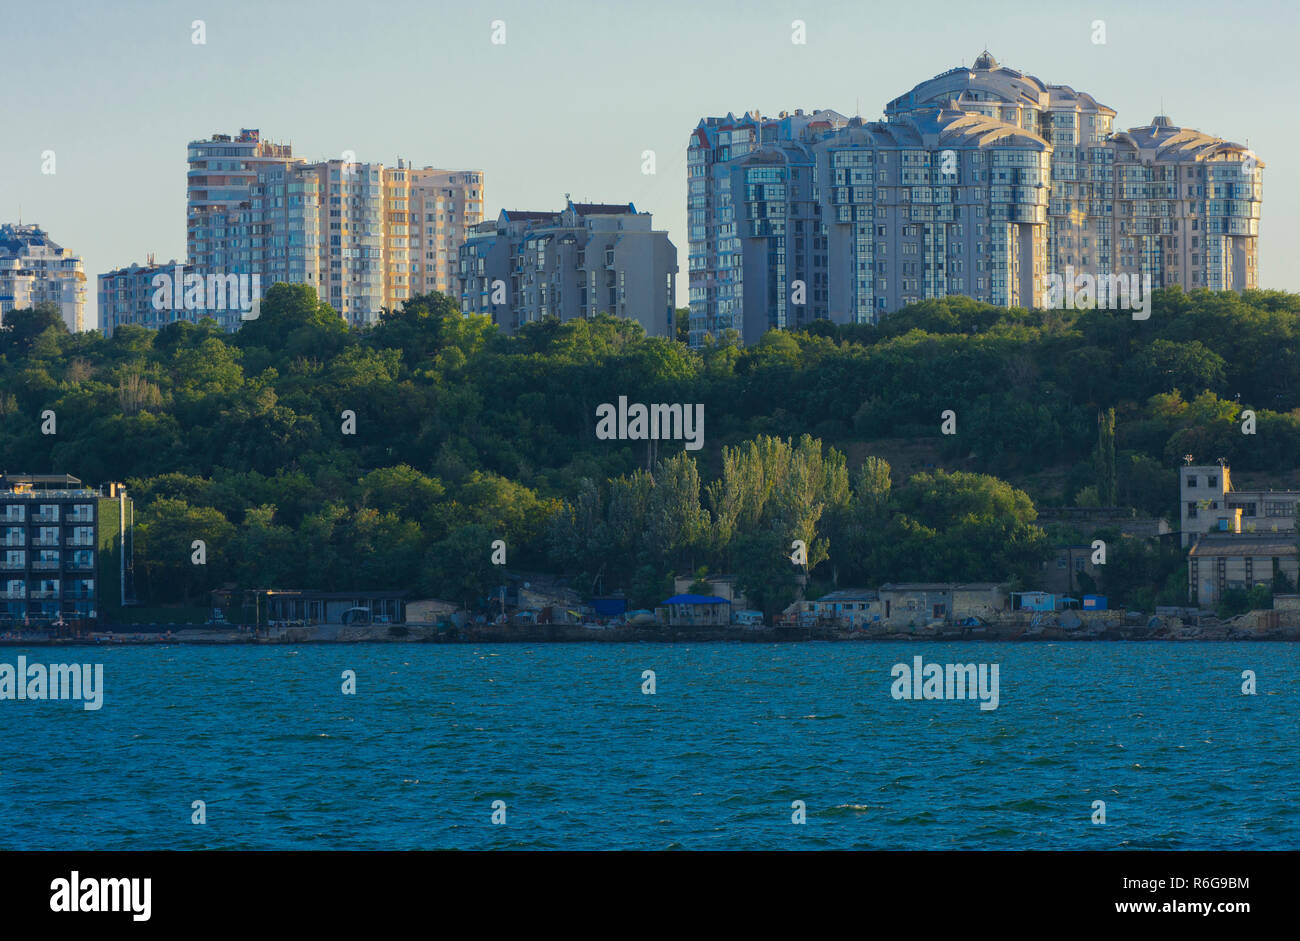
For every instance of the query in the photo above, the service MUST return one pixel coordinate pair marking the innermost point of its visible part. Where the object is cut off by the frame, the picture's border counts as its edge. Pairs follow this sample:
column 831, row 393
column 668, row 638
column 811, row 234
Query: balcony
column 79, row 594
column 75, row 565
column 45, row 541
column 46, row 565
column 48, row 516
column 43, row 593
column 84, row 541
column 12, row 593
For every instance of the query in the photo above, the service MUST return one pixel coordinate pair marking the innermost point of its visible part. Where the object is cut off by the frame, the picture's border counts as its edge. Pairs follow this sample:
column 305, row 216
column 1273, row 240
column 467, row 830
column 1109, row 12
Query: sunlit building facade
column 981, row 181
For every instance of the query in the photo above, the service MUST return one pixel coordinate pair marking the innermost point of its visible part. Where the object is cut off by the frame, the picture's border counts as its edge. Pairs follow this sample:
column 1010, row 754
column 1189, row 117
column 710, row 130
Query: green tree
column 182, row 551
column 1104, row 458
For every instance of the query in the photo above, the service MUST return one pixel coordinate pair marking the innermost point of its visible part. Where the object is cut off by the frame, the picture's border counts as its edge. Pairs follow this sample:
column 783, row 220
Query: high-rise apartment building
column 365, row 236
column 716, row 258
column 126, row 297
column 982, row 181
column 934, row 202
column 34, row 270
column 586, row 259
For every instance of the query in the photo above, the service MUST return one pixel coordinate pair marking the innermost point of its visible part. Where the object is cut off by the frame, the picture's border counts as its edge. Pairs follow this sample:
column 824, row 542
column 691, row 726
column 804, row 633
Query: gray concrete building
column 586, row 259
column 1209, row 504
column 1220, row 563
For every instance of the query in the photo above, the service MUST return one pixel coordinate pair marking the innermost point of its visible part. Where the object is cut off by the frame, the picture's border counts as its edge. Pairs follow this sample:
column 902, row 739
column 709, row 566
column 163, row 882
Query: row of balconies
column 39, row 520
column 47, row 542
column 17, row 514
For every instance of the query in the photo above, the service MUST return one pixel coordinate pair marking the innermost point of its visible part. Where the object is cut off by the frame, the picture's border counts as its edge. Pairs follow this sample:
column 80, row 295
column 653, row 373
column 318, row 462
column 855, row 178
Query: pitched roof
column 603, row 209
column 526, row 215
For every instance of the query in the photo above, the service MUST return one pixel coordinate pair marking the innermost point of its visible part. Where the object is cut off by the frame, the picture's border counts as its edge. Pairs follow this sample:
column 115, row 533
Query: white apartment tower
column 35, row 270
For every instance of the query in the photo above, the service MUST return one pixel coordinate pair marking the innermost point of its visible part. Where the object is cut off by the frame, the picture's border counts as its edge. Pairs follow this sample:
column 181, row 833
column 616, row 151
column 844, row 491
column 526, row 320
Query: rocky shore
column 1116, row 626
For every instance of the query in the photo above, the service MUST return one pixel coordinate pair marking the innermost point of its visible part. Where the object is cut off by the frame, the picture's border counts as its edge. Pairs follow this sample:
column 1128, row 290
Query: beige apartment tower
column 366, row 236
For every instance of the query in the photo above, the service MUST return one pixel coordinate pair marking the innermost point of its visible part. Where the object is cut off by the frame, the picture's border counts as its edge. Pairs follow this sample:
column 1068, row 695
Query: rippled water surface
column 584, row 760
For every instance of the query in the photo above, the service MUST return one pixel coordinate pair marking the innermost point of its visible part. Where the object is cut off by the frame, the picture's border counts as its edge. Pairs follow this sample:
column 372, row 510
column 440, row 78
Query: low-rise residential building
column 1210, row 504
column 722, row 586
column 66, row 549
column 848, row 607
column 919, row 603
column 978, row 600
column 1061, row 573
column 35, row 270
column 586, row 259
column 304, row 608
column 1219, row 563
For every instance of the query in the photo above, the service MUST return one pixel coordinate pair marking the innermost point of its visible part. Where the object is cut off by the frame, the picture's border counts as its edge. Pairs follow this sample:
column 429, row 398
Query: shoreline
column 576, row 635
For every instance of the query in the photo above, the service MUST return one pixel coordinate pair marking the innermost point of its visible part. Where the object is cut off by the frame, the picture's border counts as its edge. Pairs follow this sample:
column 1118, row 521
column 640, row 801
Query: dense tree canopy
column 309, row 454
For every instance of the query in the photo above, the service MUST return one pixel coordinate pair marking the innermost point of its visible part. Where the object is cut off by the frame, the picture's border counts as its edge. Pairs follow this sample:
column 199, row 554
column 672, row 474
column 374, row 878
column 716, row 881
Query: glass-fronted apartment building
column 65, row 549
column 981, row 181
column 715, row 213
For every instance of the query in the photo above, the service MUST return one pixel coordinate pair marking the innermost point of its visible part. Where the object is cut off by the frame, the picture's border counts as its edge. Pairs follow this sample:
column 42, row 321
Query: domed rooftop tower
column 1009, row 95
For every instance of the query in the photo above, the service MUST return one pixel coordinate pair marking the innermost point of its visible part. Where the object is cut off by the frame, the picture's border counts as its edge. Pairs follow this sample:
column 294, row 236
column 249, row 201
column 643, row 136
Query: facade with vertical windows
column 34, row 270
column 717, row 203
column 1208, row 503
column 64, row 549
column 364, row 235
column 1218, row 564
column 934, row 202
column 982, row 181
column 586, row 259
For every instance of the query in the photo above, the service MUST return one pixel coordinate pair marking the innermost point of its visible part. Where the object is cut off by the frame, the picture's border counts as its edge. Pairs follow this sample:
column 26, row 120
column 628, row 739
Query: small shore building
column 687, row 610
column 1216, row 564
column 847, row 607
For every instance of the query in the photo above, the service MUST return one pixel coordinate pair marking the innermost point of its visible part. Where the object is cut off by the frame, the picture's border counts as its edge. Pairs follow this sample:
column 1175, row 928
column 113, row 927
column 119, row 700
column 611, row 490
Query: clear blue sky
column 578, row 91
